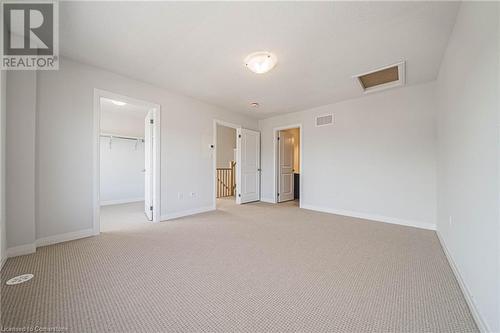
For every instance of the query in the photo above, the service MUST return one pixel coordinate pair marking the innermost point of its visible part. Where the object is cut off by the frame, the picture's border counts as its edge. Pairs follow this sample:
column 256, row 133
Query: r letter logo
column 30, row 35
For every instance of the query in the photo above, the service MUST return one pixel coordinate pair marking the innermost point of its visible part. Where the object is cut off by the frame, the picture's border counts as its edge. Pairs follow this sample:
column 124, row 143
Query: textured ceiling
column 197, row 49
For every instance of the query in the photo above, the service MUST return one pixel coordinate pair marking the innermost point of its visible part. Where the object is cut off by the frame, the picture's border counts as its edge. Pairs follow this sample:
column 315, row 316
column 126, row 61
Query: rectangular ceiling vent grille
column 383, row 78
column 324, row 120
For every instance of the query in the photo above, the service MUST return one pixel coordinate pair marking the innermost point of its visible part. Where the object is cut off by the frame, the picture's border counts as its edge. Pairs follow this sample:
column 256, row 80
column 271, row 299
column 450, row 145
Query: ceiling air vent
column 382, row 78
column 324, row 120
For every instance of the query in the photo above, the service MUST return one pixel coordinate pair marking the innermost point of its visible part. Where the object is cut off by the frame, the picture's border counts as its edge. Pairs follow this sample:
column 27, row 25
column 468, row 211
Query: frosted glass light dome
column 261, row 62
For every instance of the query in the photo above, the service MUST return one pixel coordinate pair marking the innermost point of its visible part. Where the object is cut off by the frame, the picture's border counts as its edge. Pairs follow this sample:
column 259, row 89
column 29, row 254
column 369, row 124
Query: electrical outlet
column 180, row 195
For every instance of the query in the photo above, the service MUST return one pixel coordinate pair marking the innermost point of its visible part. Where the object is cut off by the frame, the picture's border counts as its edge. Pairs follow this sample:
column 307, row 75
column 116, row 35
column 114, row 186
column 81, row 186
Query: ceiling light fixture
column 254, row 105
column 118, row 103
column 261, row 62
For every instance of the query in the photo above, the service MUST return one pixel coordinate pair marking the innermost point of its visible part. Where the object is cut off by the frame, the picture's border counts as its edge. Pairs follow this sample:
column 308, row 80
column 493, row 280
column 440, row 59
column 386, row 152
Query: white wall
column 20, row 161
column 226, row 143
column 122, row 179
column 65, row 128
column 3, row 239
column 376, row 161
column 468, row 153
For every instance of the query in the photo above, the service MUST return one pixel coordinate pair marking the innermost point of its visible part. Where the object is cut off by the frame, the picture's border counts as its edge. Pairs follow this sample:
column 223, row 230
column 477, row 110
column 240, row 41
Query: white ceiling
column 197, row 49
column 127, row 120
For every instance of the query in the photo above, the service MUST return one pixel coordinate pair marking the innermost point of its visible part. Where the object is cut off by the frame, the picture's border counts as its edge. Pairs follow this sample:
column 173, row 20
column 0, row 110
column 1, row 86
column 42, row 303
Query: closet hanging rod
column 111, row 136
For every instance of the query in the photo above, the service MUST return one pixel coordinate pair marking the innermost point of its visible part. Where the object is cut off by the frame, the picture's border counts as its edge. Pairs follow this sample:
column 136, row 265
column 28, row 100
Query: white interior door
column 148, row 165
column 285, row 147
column 248, row 166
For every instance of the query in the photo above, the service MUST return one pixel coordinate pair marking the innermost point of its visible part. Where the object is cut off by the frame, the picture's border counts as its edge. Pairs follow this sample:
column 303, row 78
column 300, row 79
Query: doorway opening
column 288, row 164
column 240, row 182
column 225, row 155
column 127, row 157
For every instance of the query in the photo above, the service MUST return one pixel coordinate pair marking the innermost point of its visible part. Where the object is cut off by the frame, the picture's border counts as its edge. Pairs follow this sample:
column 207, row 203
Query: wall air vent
column 324, row 120
column 382, row 78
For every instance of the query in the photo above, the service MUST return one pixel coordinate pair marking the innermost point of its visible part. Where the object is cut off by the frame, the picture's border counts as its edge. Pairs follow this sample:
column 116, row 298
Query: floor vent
column 383, row 78
column 324, row 120
column 19, row 279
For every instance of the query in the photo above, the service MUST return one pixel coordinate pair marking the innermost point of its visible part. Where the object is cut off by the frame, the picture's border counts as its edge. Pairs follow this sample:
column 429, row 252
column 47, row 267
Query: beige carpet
column 253, row 268
column 124, row 216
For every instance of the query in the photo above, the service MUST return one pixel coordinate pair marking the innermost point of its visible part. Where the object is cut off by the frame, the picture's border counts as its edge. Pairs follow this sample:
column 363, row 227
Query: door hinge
column 278, row 194
column 151, row 208
column 151, row 121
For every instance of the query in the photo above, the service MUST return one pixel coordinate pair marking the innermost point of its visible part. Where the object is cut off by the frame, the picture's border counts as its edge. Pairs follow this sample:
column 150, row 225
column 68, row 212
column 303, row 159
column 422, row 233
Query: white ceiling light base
column 261, row 62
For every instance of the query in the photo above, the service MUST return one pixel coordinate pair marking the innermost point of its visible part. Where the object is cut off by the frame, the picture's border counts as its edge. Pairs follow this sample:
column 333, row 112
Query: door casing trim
column 276, row 160
column 98, row 94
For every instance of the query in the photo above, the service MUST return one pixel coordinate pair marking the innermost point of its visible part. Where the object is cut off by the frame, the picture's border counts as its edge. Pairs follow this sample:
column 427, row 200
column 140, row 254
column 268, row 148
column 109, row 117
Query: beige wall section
column 20, row 161
column 295, row 132
column 3, row 239
column 380, row 150
column 468, row 155
column 226, row 143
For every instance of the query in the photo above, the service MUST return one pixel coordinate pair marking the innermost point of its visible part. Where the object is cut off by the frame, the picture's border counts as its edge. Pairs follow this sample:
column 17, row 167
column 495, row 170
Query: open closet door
column 248, row 166
column 286, row 175
column 148, row 165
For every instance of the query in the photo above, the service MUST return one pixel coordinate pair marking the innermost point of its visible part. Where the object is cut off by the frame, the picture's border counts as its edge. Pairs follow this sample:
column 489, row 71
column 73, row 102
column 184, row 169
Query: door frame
column 98, row 94
column 276, row 160
column 214, row 158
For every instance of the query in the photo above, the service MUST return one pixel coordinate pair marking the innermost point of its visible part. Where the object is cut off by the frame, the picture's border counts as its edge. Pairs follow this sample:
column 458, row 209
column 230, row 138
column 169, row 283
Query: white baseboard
column 64, row 237
column 31, row 248
column 183, row 213
column 480, row 322
column 372, row 217
column 120, row 201
column 268, row 200
column 21, row 250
